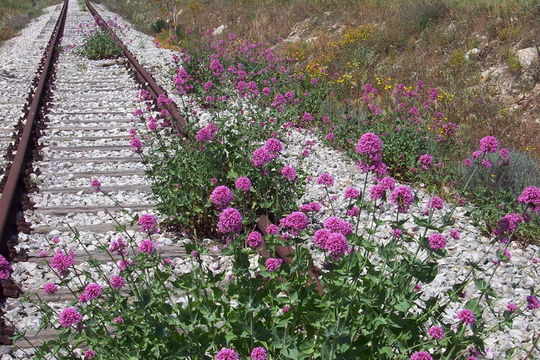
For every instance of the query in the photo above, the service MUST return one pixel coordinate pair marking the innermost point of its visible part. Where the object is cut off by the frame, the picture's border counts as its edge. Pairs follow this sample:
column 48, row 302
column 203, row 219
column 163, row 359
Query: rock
column 471, row 53
column 528, row 57
column 219, row 30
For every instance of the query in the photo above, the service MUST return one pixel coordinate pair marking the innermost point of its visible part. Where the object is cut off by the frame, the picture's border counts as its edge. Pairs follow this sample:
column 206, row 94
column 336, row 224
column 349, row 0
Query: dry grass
column 15, row 14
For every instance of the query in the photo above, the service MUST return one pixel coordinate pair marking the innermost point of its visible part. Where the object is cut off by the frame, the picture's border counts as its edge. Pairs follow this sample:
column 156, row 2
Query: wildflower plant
column 356, row 286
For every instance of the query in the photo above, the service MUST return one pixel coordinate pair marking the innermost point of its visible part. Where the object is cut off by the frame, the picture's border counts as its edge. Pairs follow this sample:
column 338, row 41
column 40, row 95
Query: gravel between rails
column 87, row 137
column 19, row 62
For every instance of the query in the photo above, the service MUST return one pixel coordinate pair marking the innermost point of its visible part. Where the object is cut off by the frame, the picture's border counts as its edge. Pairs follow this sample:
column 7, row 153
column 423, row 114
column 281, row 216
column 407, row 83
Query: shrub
column 186, row 170
column 99, row 45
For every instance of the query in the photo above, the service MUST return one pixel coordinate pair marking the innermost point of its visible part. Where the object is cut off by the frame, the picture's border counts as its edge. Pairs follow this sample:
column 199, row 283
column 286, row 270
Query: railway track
column 76, row 129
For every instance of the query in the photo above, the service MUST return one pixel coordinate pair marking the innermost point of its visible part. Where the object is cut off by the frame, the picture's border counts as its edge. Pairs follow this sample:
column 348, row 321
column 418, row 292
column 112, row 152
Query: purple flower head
column 230, row 220
column 147, row 246
column 295, row 221
column 311, row 207
column 261, row 157
column 89, row 354
column 436, row 241
column 425, row 161
column 337, row 245
column 454, row 234
column 421, row 355
column 69, row 317
column 321, row 237
column 118, row 320
column 259, row 353
column 370, row 145
column 388, row 183
column 436, row 332
column 118, row 246
column 530, row 197
column 207, row 133
column 5, row 268
column 50, row 288
column 243, row 183
column 377, row 192
column 337, row 225
column 92, row 291
column 272, row 264
column 435, row 203
column 117, row 282
column 466, row 316
column 227, row 354
column 136, row 144
column 147, row 223
column 221, row 197
column 325, row 179
column 272, row 229
column 402, row 197
column 508, row 224
column 511, row 307
column 351, row 193
column 489, row 144
column 96, row 184
column 533, row 302
column 273, row 145
column 62, row 262
column 254, row 239
column 289, row 173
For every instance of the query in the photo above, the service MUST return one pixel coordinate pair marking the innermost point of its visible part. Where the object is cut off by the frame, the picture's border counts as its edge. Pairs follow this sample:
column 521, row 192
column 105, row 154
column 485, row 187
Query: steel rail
column 140, row 72
column 14, row 184
column 14, row 187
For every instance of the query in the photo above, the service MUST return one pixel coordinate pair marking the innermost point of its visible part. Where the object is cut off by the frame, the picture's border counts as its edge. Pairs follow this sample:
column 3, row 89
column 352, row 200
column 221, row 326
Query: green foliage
column 99, row 45
column 494, row 189
column 158, row 26
column 185, row 171
column 370, row 307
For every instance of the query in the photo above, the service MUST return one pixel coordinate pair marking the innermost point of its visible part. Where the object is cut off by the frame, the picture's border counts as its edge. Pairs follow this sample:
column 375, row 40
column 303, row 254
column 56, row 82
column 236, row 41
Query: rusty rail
column 14, row 185
column 14, row 188
column 142, row 75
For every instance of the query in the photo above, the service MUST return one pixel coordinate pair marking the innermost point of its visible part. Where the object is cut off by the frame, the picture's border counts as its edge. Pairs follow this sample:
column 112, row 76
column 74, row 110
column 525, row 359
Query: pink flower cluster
column 254, row 239
column 268, row 152
column 147, row 223
column 207, row 133
column 227, row 354
column 243, row 184
column 62, row 262
column 230, row 221
column 91, row 291
column 294, row 222
column 5, row 268
column 69, row 316
column 402, row 197
column 221, row 197
column 530, row 197
column 272, row 264
column 289, row 173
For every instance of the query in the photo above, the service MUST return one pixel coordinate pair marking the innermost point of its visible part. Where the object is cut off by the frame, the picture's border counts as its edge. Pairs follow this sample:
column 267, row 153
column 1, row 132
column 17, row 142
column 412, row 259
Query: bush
column 186, row 170
column 99, row 45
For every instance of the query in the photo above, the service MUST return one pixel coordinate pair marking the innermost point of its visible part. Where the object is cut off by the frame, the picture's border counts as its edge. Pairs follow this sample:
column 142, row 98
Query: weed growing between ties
column 97, row 44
